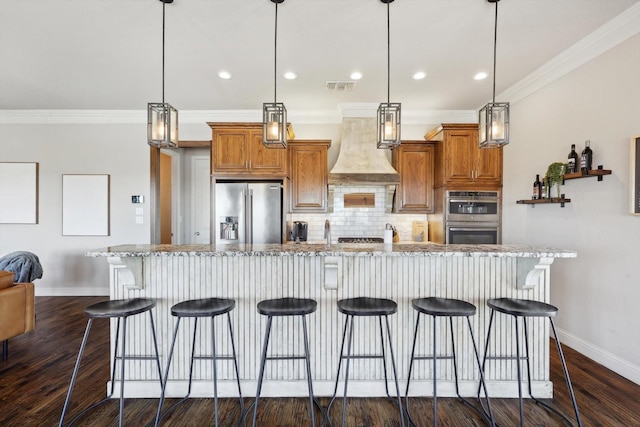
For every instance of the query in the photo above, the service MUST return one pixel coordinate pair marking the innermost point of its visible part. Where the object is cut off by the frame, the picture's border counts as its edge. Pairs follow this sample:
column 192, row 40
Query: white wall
column 118, row 150
column 597, row 293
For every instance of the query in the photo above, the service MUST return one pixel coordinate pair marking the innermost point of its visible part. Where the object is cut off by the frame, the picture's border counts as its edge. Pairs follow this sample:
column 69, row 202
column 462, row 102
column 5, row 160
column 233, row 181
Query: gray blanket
column 25, row 266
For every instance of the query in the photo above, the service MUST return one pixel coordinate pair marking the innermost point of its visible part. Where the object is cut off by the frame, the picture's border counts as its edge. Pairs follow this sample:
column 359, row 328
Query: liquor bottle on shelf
column 586, row 158
column 572, row 160
column 537, row 188
column 544, row 188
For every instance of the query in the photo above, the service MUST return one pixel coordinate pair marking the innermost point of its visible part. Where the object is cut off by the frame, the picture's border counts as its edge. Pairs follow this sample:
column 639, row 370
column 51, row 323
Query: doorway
column 200, row 200
column 169, row 197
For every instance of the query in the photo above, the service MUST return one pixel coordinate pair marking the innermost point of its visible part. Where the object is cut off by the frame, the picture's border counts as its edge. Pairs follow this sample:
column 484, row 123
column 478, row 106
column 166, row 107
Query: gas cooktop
column 360, row 240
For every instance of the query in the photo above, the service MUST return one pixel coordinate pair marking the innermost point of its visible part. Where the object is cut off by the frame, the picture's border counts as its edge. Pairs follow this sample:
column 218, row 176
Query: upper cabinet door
column 489, row 167
column 230, row 150
column 461, row 155
column 308, row 173
column 414, row 161
column 263, row 159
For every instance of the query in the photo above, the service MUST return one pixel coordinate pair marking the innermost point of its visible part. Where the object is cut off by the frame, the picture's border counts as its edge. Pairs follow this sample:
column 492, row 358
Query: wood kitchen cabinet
column 308, row 175
column 414, row 161
column 237, row 149
column 461, row 163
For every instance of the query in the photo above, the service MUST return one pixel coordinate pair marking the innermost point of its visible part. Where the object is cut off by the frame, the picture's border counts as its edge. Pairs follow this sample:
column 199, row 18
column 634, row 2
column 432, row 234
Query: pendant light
column 388, row 113
column 494, row 117
column 162, row 118
column 274, row 114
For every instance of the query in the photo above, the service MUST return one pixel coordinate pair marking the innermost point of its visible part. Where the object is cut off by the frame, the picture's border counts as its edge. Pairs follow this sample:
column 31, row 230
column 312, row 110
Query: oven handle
column 471, row 228
column 473, row 200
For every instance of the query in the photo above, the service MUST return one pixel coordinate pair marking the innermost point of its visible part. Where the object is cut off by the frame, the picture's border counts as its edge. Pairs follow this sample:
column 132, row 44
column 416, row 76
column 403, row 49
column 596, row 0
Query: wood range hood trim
column 389, row 193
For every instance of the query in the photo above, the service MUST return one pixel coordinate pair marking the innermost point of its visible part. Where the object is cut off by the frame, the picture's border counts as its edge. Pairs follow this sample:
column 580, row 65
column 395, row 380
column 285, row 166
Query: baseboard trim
column 609, row 360
column 71, row 292
column 322, row 388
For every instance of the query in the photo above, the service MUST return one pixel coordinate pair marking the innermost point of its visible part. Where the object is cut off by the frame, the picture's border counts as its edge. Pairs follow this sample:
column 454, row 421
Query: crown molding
column 73, row 116
column 203, row 116
column 609, row 35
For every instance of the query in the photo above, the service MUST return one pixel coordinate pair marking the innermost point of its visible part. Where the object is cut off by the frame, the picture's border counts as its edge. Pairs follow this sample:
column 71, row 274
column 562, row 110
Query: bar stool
column 365, row 307
column 449, row 308
column 120, row 309
column 196, row 309
column 520, row 308
column 278, row 308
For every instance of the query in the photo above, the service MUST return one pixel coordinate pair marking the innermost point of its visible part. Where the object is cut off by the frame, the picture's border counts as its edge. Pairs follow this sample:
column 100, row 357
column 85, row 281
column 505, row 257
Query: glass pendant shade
column 494, row 125
column 274, row 125
column 388, row 125
column 162, row 125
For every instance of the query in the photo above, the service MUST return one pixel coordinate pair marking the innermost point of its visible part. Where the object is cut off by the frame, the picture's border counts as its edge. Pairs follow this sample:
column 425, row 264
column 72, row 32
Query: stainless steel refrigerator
column 248, row 212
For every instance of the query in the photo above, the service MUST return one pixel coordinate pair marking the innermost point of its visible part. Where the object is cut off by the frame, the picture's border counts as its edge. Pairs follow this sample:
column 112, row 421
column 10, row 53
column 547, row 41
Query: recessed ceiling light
column 480, row 76
column 419, row 75
column 356, row 75
column 290, row 75
column 224, row 75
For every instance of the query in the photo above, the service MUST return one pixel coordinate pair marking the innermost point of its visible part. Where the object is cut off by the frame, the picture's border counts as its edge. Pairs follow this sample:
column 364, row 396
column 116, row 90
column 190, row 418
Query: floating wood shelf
column 593, row 172
column 562, row 200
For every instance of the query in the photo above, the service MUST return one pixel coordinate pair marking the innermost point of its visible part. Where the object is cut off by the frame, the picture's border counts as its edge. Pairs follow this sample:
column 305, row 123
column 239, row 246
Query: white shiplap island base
column 250, row 273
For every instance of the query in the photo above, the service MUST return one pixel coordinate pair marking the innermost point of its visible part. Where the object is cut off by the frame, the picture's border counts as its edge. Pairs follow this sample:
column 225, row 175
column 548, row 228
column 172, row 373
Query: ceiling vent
column 341, row 85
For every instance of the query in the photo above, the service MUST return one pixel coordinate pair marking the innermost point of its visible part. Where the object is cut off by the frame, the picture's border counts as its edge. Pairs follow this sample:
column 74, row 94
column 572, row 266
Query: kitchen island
column 250, row 273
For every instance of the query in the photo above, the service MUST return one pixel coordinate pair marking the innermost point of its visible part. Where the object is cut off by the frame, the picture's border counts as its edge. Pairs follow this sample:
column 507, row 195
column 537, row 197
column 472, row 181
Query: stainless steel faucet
column 327, row 231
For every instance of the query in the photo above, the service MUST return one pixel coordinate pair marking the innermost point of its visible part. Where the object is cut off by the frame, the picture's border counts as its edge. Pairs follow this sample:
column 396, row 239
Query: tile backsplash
column 356, row 222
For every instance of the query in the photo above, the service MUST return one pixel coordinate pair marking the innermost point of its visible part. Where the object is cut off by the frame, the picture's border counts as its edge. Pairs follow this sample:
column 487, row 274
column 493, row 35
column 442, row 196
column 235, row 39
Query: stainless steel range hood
column 360, row 162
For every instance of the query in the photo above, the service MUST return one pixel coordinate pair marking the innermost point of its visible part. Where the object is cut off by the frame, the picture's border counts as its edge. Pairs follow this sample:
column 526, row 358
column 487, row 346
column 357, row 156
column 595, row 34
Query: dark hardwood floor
column 34, row 381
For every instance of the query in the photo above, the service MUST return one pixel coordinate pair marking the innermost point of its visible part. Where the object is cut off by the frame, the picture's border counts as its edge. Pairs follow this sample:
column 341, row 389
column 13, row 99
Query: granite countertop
column 336, row 249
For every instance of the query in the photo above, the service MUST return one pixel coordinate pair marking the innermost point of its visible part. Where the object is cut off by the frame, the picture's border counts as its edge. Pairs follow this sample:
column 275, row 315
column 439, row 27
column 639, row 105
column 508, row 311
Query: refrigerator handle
column 248, row 216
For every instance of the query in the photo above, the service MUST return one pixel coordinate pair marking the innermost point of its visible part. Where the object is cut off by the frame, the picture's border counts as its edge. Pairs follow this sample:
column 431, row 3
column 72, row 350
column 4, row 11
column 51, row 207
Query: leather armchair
column 17, row 309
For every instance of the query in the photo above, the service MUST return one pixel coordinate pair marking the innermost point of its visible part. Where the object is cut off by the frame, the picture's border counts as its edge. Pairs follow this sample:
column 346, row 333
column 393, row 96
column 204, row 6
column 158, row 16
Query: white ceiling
column 106, row 54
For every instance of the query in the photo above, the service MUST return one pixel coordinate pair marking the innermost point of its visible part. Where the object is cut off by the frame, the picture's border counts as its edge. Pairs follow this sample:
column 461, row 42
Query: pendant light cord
column 275, row 57
column 163, row 15
column 388, row 57
column 495, row 42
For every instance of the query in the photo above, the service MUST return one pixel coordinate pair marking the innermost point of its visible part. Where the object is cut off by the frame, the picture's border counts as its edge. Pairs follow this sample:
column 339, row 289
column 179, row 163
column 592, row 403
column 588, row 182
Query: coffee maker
column 299, row 231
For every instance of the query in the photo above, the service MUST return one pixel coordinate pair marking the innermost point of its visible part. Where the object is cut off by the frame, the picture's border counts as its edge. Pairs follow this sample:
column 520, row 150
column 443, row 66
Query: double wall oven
column 472, row 217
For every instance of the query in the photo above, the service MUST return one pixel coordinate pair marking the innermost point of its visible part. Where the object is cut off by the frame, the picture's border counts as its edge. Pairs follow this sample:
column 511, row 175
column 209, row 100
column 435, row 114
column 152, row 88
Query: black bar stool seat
column 287, row 307
column 366, row 307
column 450, row 308
column 444, row 307
column 121, row 309
column 282, row 307
column 202, row 308
column 207, row 307
column 523, row 309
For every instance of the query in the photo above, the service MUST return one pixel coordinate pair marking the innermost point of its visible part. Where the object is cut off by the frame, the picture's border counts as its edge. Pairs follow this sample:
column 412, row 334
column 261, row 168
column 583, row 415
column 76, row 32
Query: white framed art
column 85, row 205
column 19, row 193
column 634, row 178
